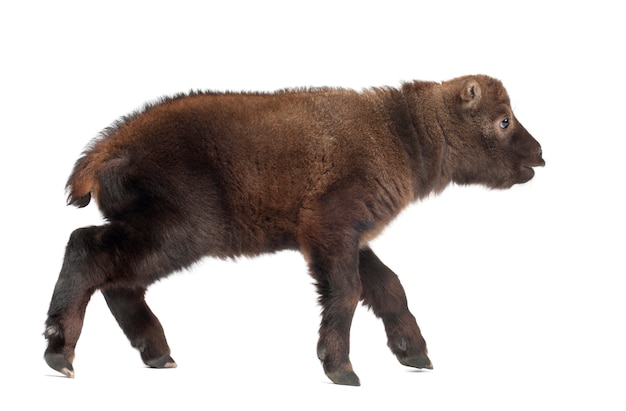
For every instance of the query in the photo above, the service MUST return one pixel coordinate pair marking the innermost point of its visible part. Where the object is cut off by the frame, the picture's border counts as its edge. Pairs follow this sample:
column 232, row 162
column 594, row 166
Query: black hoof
column 345, row 378
column 59, row 363
column 163, row 362
column 419, row 361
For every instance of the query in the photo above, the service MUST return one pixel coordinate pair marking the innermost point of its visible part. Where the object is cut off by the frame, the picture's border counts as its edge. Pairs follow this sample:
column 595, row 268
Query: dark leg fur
column 339, row 287
column 383, row 292
column 98, row 258
column 69, row 301
column 140, row 325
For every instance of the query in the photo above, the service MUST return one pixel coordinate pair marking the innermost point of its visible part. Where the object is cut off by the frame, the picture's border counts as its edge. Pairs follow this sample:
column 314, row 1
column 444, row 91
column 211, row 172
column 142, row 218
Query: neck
column 413, row 112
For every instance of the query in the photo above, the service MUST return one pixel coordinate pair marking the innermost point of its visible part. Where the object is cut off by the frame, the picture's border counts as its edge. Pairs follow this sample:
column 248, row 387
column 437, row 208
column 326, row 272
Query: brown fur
column 321, row 171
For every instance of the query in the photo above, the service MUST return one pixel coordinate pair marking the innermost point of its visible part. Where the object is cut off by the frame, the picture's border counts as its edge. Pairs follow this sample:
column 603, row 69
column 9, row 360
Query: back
column 257, row 159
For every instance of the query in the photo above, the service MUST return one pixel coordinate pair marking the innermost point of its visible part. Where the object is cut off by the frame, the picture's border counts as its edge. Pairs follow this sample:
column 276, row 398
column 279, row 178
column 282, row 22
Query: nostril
column 540, row 157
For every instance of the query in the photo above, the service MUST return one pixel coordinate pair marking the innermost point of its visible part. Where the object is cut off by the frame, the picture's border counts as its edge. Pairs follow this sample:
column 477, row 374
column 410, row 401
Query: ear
column 470, row 94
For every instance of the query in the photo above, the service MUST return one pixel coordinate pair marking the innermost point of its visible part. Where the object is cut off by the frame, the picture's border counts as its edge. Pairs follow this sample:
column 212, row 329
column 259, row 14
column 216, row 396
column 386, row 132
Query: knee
column 80, row 239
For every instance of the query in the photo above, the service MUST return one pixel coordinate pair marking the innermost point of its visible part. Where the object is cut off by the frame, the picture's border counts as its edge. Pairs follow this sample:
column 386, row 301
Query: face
column 520, row 150
column 499, row 152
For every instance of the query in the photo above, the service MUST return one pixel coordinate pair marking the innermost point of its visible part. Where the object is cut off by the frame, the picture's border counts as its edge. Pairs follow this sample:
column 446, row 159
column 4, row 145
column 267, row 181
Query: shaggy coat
column 321, row 171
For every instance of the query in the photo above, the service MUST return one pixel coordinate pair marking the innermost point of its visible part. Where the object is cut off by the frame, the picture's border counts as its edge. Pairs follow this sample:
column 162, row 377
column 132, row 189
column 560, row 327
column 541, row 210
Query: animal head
column 489, row 145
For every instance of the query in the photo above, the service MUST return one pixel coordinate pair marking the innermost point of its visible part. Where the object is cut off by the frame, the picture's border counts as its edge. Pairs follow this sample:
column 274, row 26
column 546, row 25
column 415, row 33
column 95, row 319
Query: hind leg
column 77, row 281
column 143, row 329
column 114, row 253
column 383, row 292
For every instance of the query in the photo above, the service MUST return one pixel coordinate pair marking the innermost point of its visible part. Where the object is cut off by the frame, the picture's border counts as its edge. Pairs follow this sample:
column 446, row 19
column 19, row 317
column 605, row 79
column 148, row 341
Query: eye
column 504, row 123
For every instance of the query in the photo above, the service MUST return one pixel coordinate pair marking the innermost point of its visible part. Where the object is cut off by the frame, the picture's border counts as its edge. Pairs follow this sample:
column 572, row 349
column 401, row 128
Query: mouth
column 537, row 163
column 528, row 172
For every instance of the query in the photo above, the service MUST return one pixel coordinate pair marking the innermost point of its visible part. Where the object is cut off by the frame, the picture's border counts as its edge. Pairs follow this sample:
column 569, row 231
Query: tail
column 83, row 182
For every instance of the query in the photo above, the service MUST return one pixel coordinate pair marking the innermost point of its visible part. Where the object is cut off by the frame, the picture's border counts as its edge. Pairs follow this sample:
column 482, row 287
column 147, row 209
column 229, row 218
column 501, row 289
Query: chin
column 526, row 175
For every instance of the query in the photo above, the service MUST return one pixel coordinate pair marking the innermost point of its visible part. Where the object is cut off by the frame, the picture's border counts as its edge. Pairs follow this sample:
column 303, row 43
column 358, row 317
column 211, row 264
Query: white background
column 519, row 293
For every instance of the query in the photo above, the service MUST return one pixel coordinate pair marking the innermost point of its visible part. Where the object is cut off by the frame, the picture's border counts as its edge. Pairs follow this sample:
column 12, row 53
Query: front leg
column 383, row 292
column 339, row 286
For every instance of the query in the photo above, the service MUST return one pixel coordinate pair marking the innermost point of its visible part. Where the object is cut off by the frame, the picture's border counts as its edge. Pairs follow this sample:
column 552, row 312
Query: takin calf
column 321, row 171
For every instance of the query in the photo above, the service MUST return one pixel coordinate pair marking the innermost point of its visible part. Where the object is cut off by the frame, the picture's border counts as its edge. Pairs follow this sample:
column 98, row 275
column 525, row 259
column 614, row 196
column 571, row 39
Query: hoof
column 345, row 378
column 163, row 362
column 59, row 363
column 419, row 361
